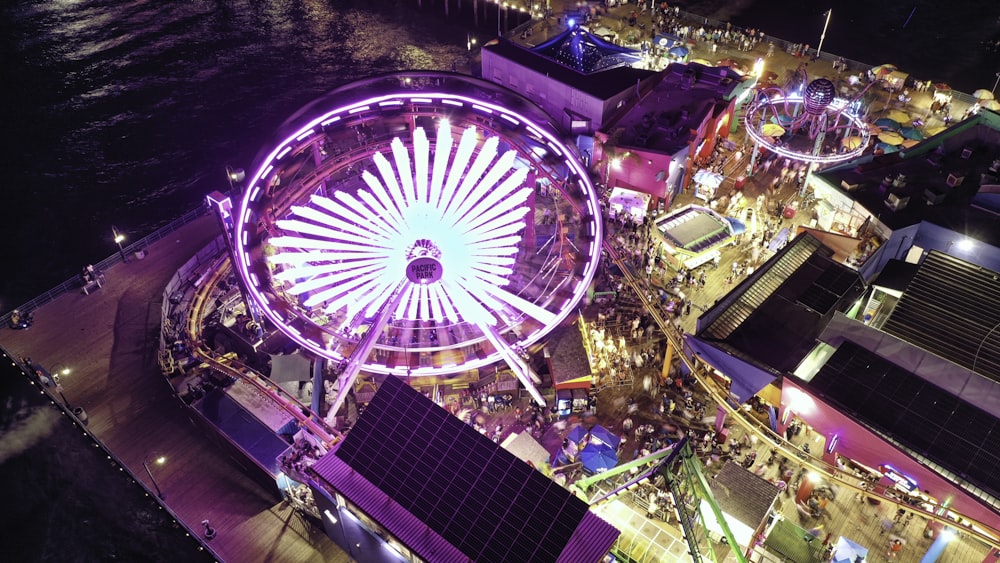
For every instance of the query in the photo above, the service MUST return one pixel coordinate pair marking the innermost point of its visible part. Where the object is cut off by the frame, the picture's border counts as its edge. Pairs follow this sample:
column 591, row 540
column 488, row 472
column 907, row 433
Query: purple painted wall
column 858, row 443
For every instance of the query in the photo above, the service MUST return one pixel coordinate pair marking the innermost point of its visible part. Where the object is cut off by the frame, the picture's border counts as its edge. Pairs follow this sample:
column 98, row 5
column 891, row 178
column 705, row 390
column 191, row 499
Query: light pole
column 235, row 176
column 823, row 35
column 158, row 461
column 499, row 6
column 119, row 239
column 469, row 41
column 994, row 90
column 59, row 387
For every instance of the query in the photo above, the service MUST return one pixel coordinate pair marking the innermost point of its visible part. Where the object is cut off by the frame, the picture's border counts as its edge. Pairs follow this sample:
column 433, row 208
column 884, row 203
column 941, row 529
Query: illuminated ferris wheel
column 419, row 224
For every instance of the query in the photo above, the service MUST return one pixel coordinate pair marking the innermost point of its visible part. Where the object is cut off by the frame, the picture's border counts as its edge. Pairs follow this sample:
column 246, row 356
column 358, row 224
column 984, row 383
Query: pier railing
column 135, row 248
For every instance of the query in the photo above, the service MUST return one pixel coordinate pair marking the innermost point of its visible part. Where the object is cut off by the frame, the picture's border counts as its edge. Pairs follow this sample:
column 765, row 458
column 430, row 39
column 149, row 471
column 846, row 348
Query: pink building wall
column 858, row 443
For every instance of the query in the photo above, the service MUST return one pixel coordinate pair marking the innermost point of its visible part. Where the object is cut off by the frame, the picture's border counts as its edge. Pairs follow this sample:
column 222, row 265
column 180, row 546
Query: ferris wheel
column 419, row 224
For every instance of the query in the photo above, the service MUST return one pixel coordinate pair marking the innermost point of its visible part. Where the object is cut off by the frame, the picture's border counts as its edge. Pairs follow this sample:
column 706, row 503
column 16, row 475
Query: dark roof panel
column 602, row 85
column 952, row 309
column 463, row 486
column 925, row 418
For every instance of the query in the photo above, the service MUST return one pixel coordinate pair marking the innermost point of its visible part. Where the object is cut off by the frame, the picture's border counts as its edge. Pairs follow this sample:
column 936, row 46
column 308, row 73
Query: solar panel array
column 922, row 416
column 476, row 495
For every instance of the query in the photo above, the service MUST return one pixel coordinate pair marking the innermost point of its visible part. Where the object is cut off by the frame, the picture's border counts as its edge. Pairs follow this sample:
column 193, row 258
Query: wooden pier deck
column 108, row 340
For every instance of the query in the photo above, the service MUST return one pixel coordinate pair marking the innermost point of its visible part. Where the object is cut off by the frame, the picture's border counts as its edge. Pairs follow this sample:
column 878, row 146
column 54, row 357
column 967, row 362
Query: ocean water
column 126, row 112
column 930, row 39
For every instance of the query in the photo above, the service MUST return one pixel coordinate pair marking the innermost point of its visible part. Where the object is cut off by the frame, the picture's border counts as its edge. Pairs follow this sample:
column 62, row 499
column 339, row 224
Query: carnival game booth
column 693, row 235
column 570, row 367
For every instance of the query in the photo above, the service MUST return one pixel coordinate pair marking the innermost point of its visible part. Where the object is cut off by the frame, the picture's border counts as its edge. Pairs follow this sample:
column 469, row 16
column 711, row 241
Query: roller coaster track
column 233, row 367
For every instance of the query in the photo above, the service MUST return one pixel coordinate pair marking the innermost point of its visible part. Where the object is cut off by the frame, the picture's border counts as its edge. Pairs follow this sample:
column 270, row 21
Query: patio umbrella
column 851, row 143
column 679, row 52
column 907, row 143
column 890, row 138
column 884, row 69
column 598, row 458
column 942, row 87
column 990, row 104
column 772, row 130
column 900, row 116
column 576, row 433
column 887, row 148
column 886, row 123
column 848, row 551
column 911, row 133
column 931, row 131
column 873, row 129
column 701, row 62
column 982, row 94
column 738, row 226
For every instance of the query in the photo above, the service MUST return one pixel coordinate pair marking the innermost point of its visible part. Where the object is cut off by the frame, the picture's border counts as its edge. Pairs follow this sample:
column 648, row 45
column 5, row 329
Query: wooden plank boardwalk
column 109, row 341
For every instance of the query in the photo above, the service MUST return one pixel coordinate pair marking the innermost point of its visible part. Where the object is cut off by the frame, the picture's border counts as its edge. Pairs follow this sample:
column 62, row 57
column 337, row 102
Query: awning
column 747, row 379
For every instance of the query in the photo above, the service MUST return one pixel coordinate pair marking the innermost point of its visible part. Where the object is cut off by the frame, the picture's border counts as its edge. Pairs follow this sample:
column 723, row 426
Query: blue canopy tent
column 597, row 434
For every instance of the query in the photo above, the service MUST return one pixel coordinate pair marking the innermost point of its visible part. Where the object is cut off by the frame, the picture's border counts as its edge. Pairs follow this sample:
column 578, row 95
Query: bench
column 98, row 283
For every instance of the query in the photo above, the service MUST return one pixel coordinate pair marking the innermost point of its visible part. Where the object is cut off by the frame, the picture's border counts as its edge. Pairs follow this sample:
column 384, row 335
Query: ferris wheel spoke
column 520, row 304
column 517, row 364
column 402, row 158
column 479, row 166
column 457, row 174
column 421, row 152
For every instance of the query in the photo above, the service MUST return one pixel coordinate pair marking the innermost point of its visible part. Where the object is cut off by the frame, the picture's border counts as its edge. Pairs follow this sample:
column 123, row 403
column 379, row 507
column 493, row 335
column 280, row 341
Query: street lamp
column 994, row 90
column 59, row 388
column 469, row 41
column 158, row 461
column 235, row 176
column 119, row 239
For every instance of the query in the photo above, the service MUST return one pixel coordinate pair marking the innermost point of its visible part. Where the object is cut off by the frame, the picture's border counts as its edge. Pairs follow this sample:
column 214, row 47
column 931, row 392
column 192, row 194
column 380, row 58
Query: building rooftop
column 743, row 495
column 601, row 85
column 952, row 308
column 450, row 493
column 924, row 417
column 584, row 52
column 776, row 314
column 942, row 179
column 677, row 105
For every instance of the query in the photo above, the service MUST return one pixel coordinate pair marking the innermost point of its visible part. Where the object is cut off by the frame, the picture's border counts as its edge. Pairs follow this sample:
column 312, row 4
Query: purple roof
column 451, row 494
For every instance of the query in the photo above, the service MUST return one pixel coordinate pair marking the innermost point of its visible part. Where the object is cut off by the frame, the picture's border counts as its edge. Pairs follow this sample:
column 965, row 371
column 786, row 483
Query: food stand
column 629, row 202
column 706, row 184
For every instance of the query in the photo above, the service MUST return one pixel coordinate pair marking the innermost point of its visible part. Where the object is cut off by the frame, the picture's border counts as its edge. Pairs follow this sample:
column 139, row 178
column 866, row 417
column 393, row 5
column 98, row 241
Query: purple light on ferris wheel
column 449, row 230
column 336, row 255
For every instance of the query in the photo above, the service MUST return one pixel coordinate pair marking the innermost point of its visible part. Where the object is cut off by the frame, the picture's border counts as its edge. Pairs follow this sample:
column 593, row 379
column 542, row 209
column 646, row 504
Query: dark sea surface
column 126, row 112
column 64, row 499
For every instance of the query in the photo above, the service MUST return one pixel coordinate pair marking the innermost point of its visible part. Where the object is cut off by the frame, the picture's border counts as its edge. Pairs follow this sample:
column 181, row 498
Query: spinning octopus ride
column 809, row 126
column 419, row 224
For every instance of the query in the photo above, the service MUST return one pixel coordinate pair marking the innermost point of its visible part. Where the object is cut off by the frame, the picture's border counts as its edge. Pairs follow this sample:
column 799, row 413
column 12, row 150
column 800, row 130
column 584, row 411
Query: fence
column 74, row 283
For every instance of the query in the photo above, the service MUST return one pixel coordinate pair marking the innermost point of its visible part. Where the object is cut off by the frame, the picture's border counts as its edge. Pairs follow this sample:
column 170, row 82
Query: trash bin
column 81, row 414
column 140, row 254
